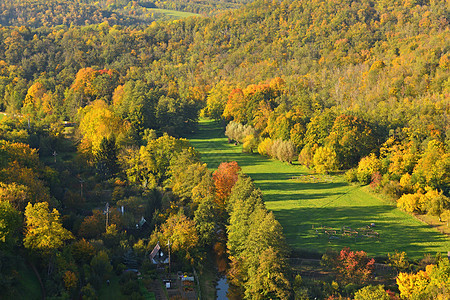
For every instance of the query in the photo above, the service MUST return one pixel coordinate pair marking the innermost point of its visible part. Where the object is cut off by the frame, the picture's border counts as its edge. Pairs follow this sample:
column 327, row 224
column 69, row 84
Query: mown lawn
column 173, row 13
column 301, row 200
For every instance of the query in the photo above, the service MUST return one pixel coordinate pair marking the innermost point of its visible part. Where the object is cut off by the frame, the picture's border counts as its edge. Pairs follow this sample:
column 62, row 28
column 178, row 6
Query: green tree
column 268, row 280
column 205, row 218
column 10, row 223
column 106, row 158
column 351, row 138
column 433, row 168
column 101, row 267
column 371, row 292
column 216, row 100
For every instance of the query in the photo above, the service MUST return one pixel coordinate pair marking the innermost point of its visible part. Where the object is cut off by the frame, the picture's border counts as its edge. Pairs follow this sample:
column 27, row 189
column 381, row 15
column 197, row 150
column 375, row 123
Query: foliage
column 367, row 166
column 433, row 168
column 216, row 100
column 432, row 283
column 44, row 231
column 189, row 179
column 10, row 223
column 399, row 261
column 83, row 251
column 149, row 166
column 351, row 138
column 92, row 226
column 432, row 201
column 98, row 122
column 265, row 146
column 324, row 160
column 350, row 266
column 101, row 266
column 255, row 245
column 206, row 217
column 106, row 158
column 181, row 232
column 283, row 151
column 250, row 143
column 237, row 132
column 372, row 292
column 269, row 279
column 224, row 178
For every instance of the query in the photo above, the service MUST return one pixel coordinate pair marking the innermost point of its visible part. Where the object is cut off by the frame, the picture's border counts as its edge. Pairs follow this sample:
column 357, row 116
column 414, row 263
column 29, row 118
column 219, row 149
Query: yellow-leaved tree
column 44, row 230
column 432, row 283
column 98, row 121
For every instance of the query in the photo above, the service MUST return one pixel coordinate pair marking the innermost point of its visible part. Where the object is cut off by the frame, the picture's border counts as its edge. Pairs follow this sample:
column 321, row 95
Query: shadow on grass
column 397, row 231
column 394, row 234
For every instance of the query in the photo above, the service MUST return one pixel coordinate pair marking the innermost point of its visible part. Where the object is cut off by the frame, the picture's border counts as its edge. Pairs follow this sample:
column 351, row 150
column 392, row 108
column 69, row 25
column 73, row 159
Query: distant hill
column 48, row 13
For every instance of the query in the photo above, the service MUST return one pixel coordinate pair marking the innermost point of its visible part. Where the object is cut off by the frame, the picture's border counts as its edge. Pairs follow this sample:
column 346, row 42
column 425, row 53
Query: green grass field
column 172, row 13
column 301, row 200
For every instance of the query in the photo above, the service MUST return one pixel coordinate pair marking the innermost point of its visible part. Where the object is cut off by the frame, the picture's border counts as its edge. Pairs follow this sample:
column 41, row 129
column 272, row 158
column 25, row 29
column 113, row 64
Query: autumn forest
column 99, row 101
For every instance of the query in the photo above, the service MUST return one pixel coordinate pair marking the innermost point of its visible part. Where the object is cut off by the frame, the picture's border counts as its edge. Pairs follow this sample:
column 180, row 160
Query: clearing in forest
column 321, row 211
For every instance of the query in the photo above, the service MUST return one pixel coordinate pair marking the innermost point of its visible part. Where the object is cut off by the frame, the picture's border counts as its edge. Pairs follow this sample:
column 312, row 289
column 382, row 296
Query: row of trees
column 256, row 245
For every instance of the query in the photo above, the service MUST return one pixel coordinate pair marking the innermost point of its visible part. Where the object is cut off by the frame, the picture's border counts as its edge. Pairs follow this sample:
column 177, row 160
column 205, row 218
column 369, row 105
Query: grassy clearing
column 301, row 200
column 173, row 13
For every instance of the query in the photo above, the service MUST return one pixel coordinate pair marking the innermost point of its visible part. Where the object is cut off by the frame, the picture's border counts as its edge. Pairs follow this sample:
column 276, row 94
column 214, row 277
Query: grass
column 111, row 291
column 173, row 13
column 28, row 286
column 301, row 200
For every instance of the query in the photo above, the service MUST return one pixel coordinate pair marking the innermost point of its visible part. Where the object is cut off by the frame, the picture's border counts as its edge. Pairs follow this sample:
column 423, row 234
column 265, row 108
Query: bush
column 279, row 149
column 412, row 203
column 237, row 132
column 324, row 160
column 265, row 146
column 306, row 155
column 129, row 287
column 367, row 166
column 372, row 292
column 286, row 151
column 392, row 189
column 351, row 175
column 88, row 292
column 250, row 143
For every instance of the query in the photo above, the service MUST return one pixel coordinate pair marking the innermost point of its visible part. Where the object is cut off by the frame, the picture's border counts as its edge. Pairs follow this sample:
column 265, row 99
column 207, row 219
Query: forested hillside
column 48, row 13
column 96, row 96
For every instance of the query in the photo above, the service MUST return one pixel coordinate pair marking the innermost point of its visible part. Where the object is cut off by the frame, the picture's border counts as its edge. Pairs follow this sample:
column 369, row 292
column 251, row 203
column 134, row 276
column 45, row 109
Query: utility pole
column 81, row 186
column 54, row 155
column 107, row 216
column 168, row 244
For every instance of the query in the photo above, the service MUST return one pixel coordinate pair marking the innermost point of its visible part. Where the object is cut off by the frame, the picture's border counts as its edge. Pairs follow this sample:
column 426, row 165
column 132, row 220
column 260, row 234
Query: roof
column 155, row 251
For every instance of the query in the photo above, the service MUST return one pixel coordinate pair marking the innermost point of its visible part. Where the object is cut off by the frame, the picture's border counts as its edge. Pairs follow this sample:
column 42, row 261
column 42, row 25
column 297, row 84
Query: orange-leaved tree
column 224, row 179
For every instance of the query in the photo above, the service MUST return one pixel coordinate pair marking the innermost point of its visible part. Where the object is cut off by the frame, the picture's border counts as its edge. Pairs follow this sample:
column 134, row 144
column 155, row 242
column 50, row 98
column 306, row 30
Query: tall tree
column 106, row 158
column 224, row 179
column 44, row 230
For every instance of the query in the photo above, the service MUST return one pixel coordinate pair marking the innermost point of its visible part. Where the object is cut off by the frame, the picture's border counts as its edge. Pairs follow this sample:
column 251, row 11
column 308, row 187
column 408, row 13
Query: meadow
column 172, row 13
column 307, row 204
